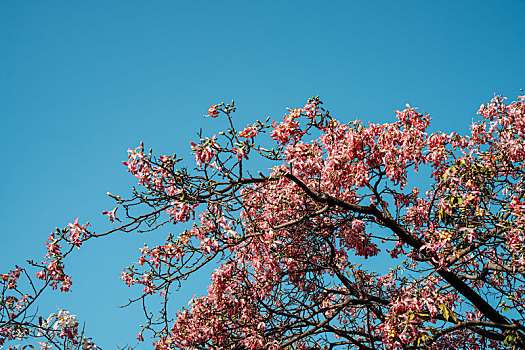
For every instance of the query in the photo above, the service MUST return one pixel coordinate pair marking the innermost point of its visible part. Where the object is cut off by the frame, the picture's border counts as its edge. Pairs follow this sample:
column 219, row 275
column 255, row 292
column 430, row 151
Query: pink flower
column 240, row 153
column 181, row 212
column 111, row 215
column 53, row 248
column 66, row 284
column 41, row 275
column 288, row 129
column 213, row 112
column 127, row 278
column 311, row 110
column 149, row 287
column 77, row 233
column 140, row 337
column 203, row 155
column 249, row 131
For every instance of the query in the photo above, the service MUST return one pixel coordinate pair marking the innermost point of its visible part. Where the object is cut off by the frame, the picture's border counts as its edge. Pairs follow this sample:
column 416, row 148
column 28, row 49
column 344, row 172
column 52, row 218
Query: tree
column 333, row 247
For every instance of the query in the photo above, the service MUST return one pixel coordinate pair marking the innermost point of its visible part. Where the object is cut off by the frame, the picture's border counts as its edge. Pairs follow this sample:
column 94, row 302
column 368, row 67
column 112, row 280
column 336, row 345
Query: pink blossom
column 213, row 112
column 111, row 215
column 239, row 153
column 41, row 275
column 249, row 131
column 203, row 155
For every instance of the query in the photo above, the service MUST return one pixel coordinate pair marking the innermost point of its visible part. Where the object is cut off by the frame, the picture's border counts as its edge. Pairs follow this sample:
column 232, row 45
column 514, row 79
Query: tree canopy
column 378, row 236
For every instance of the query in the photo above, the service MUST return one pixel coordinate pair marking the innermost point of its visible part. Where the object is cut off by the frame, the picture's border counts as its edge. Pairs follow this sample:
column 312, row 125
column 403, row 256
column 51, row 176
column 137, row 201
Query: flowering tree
column 332, row 247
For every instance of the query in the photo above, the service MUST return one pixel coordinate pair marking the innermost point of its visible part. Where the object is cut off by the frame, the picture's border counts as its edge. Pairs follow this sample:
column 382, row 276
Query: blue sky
column 80, row 82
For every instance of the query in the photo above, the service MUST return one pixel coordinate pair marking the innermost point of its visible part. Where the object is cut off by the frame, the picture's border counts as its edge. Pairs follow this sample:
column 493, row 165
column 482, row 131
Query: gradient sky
column 80, row 82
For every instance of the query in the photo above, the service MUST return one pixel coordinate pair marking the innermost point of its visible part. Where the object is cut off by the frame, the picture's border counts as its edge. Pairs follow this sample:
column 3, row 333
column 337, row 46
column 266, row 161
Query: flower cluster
column 204, row 154
column 298, row 250
column 249, row 131
column 289, row 128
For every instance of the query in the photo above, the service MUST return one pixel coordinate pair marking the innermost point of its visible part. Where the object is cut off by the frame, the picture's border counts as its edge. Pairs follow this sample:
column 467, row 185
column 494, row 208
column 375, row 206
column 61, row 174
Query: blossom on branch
column 355, row 236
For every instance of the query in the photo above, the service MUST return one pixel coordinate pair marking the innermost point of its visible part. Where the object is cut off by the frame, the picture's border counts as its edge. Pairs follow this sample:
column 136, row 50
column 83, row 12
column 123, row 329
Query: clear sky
column 80, row 82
